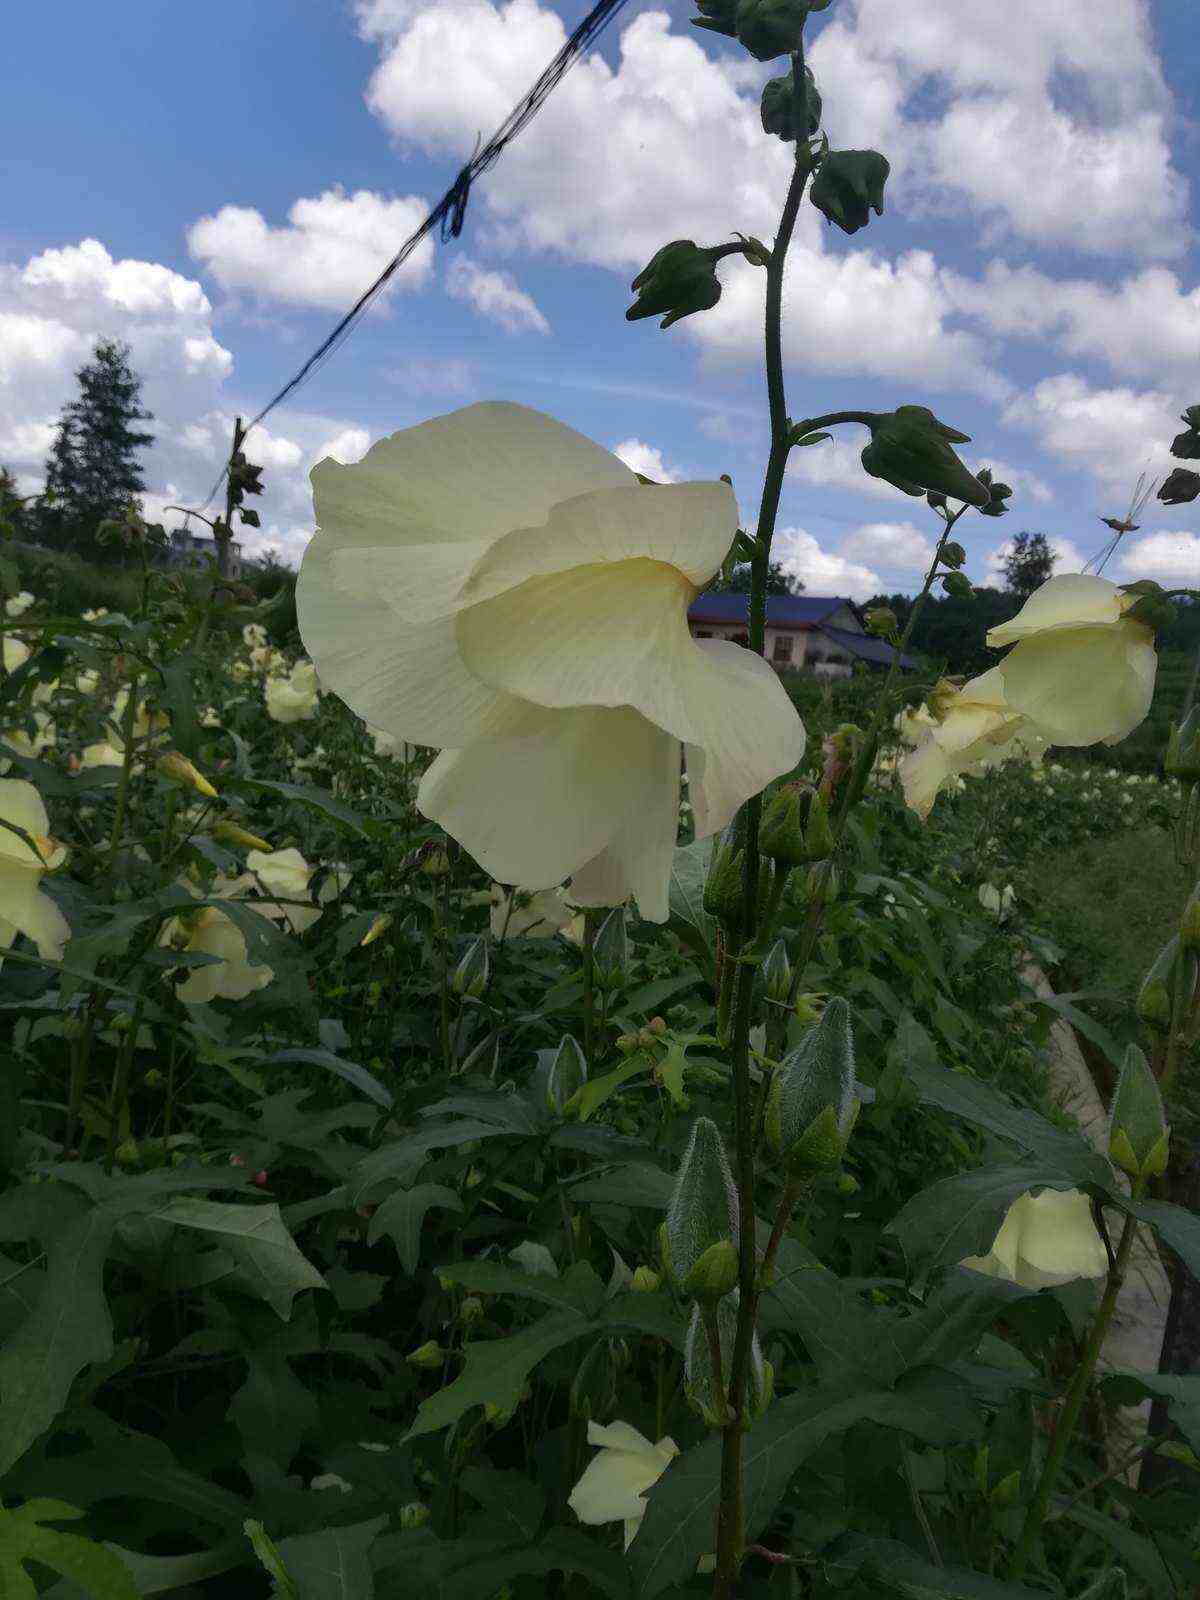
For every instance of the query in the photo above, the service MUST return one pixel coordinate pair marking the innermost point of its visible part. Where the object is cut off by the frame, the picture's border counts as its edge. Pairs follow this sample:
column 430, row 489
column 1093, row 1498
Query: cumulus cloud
column 1112, row 433
column 823, row 571
column 896, row 545
column 495, row 295
column 1167, row 557
column 644, row 458
column 1067, row 557
column 334, row 244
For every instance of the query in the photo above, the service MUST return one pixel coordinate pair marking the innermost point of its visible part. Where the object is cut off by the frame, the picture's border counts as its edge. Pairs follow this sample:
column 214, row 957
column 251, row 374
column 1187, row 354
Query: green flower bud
column 723, row 897
column 414, row 1515
column 848, row 187
column 1152, row 606
column 471, row 975
column 627, row 1043
column 153, row 1079
column 471, row 1310
column 777, row 973
column 808, row 1008
column 679, row 279
column 1138, row 1135
column 1182, row 760
column 824, row 881
column 818, row 836
column 656, row 1025
column 610, row 952
column 568, row 1073
column 428, row 1355
column 781, row 833
column 910, row 449
column 645, row 1280
column 812, row 1107
column 958, row 584
column 703, row 1210
column 484, row 1058
column 436, row 863
column 698, row 1366
column 1189, row 925
column 777, row 107
column 953, row 554
column 127, row 1153
column 715, row 1273
column 1179, row 487
column 999, row 492
column 881, row 621
column 1155, row 998
column 847, row 1183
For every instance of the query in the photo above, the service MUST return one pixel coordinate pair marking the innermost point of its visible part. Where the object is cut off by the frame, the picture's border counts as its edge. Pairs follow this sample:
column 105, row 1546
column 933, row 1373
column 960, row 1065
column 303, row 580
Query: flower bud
column 824, row 881
column 262, row 1178
column 698, row 1366
column 808, row 1008
column 777, row 973
column 881, row 621
column 911, row 449
column 229, row 833
column 428, row 1355
column 777, row 107
column 1189, row 924
column 645, row 1280
column 627, row 1043
column 1156, row 995
column 679, row 279
column 484, row 1057
column 770, row 28
column 179, row 769
column 1180, row 486
column 1182, row 760
column 656, row 1025
column 471, row 1310
column 127, row 1153
column 703, row 1210
column 812, row 1107
column 414, row 1515
column 380, row 925
column 714, row 1274
column 847, row 1183
column 781, row 833
column 847, row 188
column 567, row 1075
column 153, row 1079
column 953, row 554
column 957, row 584
column 818, row 836
column 435, row 862
column 610, row 952
column 471, row 974
column 723, row 897
column 1138, row 1136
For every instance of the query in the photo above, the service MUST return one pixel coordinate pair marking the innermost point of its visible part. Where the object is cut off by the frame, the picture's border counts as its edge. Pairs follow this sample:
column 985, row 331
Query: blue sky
column 216, row 184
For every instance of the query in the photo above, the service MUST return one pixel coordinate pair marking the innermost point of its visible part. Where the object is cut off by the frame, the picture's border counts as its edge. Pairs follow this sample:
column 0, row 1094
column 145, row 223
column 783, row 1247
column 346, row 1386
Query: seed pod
column 645, row 1280
column 704, row 1208
column 679, row 279
column 777, row 107
column 230, row 833
column 180, row 770
column 1138, row 1136
column 818, row 836
column 812, row 1107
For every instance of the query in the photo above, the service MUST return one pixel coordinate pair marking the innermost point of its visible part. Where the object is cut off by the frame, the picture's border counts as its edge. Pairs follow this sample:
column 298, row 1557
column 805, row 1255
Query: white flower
column 612, row 1486
column 254, row 635
column 23, row 907
column 1044, row 1241
column 295, row 698
column 31, row 745
column 991, row 899
column 282, row 872
column 87, row 682
column 977, row 729
column 106, row 753
column 1082, row 669
column 19, row 604
column 95, row 616
column 209, row 931
column 16, row 652
column 387, row 744
column 546, row 914
column 493, row 584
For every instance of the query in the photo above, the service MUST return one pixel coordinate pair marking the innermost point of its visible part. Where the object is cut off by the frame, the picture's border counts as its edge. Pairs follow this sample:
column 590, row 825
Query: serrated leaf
column 588, row 1099
column 514, row 1505
column 1178, row 1226
column 349, row 1071
column 23, row 1538
column 333, row 1564
column 402, row 1215
column 264, row 1257
column 272, row 1410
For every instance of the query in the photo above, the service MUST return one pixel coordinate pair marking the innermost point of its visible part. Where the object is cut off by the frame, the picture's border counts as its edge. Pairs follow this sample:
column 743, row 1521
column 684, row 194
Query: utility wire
column 454, row 202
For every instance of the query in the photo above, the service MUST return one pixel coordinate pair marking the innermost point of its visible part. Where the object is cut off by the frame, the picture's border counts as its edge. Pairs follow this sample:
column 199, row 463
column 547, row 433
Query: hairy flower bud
column 380, row 925
column 777, row 107
column 812, row 1107
column 848, row 187
column 1155, row 997
column 777, row 973
column 723, row 897
column 698, row 1366
column 703, row 1209
column 471, row 974
column 818, row 836
column 958, row 585
column 568, row 1073
column 714, row 1274
column 953, row 554
column 781, row 832
column 679, row 279
column 1138, row 1136
column 610, row 953
column 1179, row 487
column 435, row 863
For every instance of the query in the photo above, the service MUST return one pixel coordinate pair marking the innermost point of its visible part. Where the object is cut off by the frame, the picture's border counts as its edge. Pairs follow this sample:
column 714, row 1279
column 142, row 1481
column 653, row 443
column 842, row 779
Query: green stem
column 118, row 827
column 120, row 1091
column 731, row 1517
column 590, row 921
column 1073, row 1404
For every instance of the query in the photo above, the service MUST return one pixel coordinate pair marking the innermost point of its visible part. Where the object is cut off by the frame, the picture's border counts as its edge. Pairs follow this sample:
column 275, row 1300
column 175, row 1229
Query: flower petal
column 29, row 911
column 1084, row 685
column 637, row 859
column 1059, row 1239
column 1070, row 600
column 21, row 804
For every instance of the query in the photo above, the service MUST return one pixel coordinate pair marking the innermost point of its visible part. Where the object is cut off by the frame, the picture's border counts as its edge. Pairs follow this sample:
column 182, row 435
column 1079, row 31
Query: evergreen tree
column 92, row 472
column 1028, row 566
column 12, row 510
column 778, row 581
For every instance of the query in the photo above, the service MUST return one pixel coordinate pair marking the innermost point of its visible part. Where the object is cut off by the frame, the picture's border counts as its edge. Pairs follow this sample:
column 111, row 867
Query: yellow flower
column 16, row 652
column 23, row 907
column 209, row 931
column 176, row 767
column 106, row 753
column 1082, row 669
column 496, row 585
column 287, row 873
column 1045, row 1240
column 146, row 723
column 614, row 1482
column 913, row 725
column 295, row 698
column 977, row 729
column 31, row 745
column 254, row 634
column 95, row 616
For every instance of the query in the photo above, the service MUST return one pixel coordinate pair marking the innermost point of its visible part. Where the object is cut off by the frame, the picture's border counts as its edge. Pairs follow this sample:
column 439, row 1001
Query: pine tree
column 1029, row 565
column 738, row 582
column 12, row 509
column 92, row 472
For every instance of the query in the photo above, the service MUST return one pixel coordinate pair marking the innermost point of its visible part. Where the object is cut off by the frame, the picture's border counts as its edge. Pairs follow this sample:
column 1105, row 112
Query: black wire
column 453, row 202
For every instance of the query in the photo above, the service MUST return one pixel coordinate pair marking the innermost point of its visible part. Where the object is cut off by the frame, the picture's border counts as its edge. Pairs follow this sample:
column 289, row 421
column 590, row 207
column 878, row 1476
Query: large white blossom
column 23, row 906
column 500, row 587
column 1045, row 1240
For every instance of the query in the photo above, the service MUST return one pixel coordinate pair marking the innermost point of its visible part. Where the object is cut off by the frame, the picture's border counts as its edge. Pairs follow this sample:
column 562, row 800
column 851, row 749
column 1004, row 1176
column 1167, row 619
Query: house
column 188, row 549
column 807, row 632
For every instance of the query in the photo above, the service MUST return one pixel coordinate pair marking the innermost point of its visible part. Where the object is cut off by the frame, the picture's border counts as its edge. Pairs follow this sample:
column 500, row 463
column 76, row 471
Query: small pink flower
column 262, row 1178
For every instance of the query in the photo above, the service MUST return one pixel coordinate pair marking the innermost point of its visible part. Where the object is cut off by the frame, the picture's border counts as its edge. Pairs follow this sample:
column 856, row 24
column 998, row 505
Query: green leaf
column 513, row 1504
column 646, row 1000
column 1136, row 1552
column 402, row 1215
column 902, row 1571
column 272, row 1410
column 591, row 1096
column 1123, row 1387
column 634, row 1185
column 976, row 1102
column 579, row 1290
column 333, row 1564
column 310, row 795
column 23, row 1538
column 496, row 1371
column 264, row 1549
column 405, row 1158
column 1179, row 1227
column 687, row 917
column 178, row 698
column 263, row 1256
column 1088, row 1026
column 961, row 1216
column 350, row 1071
column 160, row 1574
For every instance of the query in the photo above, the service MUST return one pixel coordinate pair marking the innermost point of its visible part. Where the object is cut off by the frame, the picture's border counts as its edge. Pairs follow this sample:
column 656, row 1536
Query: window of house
column 702, row 633
column 783, row 647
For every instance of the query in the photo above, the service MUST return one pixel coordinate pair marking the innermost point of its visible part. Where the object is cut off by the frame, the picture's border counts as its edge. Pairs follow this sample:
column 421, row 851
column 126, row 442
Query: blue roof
column 781, row 608
column 866, row 647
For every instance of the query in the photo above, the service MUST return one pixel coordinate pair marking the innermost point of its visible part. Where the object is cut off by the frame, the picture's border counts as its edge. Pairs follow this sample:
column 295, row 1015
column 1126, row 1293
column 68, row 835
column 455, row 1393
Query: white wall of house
column 792, row 649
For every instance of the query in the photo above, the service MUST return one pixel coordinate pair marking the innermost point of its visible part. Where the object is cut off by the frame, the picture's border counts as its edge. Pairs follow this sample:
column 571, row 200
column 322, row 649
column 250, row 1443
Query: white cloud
column 895, row 545
column 1167, row 557
column 1112, row 433
column 823, row 571
column 644, row 458
column 86, row 272
column 495, row 295
column 425, row 375
column 348, row 446
column 332, row 248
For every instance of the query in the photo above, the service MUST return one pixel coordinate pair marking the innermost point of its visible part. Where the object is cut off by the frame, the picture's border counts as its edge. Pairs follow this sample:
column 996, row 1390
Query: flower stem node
column 1139, row 1138
column 847, row 188
column 679, row 279
column 703, row 1212
column 471, row 975
column 777, row 107
column 812, row 1107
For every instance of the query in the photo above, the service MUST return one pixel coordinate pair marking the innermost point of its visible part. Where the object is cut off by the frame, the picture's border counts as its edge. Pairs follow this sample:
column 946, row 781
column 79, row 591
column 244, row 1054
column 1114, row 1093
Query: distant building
column 188, row 549
column 804, row 632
